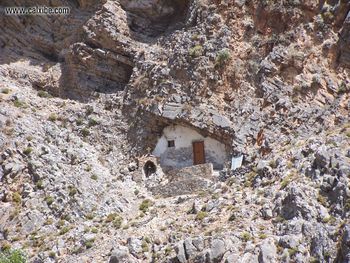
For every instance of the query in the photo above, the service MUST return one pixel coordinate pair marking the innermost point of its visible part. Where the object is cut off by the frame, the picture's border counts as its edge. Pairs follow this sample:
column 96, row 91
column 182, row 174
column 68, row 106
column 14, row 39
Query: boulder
column 119, row 255
column 268, row 252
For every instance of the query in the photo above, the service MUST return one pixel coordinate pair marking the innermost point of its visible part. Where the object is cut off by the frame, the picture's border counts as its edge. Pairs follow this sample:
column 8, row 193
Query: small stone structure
column 149, row 170
column 181, row 146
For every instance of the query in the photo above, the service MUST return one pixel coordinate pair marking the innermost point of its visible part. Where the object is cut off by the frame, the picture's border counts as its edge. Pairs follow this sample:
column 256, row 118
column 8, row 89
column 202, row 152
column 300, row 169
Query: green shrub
column 28, row 150
column 12, row 256
column 48, row 221
column 64, row 230
column 79, row 121
column 94, row 177
column 44, row 94
column 72, row 190
column 314, row 260
column 117, row 222
column 89, row 243
column 329, row 219
column 273, row 164
column 53, row 117
column 16, row 197
column 52, row 254
column 92, row 122
column 343, row 88
column 144, row 246
column 201, row 215
column 5, row 90
column 246, row 236
column 89, row 110
column 196, row 51
column 19, row 104
column 39, row 184
column 232, row 217
column 90, row 216
column 167, row 250
column 292, row 251
column 322, row 200
column 222, row 57
column 262, row 236
column 145, row 205
column 60, row 223
column 347, row 205
column 111, row 217
column 85, row 132
column 285, row 183
column 49, row 200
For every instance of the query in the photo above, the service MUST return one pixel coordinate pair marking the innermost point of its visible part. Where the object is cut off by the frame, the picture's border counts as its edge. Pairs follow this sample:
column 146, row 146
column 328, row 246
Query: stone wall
column 188, row 180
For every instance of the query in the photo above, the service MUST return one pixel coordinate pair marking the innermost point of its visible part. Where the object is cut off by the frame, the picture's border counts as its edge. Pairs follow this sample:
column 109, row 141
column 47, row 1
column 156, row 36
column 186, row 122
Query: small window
column 171, row 143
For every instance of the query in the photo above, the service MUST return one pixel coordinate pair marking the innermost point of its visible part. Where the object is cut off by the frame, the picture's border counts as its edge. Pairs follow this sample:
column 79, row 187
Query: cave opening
column 149, row 168
column 150, row 19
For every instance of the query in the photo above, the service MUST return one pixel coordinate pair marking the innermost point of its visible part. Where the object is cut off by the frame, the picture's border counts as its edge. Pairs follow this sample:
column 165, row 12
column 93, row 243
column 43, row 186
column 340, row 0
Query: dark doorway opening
column 149, row 168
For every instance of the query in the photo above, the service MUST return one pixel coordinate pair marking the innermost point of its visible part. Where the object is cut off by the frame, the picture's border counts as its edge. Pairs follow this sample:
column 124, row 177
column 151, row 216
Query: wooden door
column 198, row 153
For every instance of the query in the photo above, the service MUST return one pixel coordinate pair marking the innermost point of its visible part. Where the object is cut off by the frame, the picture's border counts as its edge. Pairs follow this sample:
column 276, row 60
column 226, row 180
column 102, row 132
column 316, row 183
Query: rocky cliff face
column 84, row 95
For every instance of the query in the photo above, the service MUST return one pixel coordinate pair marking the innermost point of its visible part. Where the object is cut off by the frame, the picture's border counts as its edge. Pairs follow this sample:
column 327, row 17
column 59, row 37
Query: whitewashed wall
column 182, row 154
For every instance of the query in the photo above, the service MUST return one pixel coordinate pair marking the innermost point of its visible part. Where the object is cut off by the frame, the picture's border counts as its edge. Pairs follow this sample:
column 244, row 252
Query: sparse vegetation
column 117, row 222
column 201, row 215
column 329, row 219
column 246, row 236
column 167, row 250
column 286, row 181
column 19, row 104
column 262, row 236
column 343, row 88
column 49, row 221
column 232, row 217
column 322, row 200
column 53, row 117
column 89, row 243
column 89, row 216
column 44, row 94
column 292, row 251
column 92, row 122
column 145, row 205
column 39, row 184
column 85, row 132
column 5, row 91
column 49, row 200
column 72, row 190
column 52, row 254
column 222, row 57
column 196, row 51
column 79, row 121
column 64, row 230
column 16, row 197
column 12, row 256
column 144, row 246
column 89, row 110
column 28, row 150
column 273, row 163
column 94, row 177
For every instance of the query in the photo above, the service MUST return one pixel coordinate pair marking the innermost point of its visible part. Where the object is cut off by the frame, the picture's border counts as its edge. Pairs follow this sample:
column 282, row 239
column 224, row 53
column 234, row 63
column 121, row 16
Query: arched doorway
column 149, row 168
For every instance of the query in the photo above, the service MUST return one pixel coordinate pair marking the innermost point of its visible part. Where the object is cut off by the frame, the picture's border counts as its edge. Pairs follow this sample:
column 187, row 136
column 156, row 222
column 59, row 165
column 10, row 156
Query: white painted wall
column 182, row 154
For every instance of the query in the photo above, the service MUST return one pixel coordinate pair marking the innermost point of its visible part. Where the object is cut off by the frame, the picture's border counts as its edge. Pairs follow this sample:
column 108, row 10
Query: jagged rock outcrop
column 269, row 79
